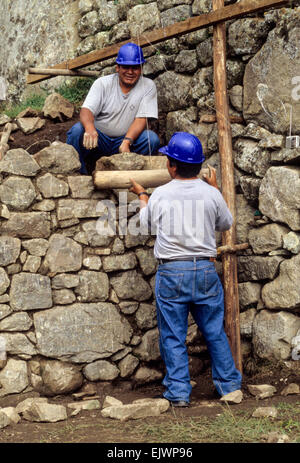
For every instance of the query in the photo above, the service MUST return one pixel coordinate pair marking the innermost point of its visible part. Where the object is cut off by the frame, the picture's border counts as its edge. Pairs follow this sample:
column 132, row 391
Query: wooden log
column 4, row 139
column 63, row 72
column 104, row 180
column 230, row 248
column 229, row 260
column 212, row 118
column 234, row 11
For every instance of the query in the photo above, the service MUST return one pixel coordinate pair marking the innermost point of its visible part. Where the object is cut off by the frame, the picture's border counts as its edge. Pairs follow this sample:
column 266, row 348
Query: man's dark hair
column 185, row 169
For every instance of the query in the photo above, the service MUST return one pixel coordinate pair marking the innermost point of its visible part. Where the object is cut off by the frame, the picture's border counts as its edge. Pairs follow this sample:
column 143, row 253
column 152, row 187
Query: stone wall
column 73, row 299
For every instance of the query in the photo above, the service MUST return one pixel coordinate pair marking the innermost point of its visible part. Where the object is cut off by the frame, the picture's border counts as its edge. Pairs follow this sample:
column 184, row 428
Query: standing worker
column 113, row 117
column 184, row 214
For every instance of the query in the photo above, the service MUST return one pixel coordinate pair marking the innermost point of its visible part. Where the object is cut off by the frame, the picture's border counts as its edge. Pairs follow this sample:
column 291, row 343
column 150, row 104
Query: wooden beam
column 160, row 35
column 104, row 179
column 229, row 260
column 63, row 72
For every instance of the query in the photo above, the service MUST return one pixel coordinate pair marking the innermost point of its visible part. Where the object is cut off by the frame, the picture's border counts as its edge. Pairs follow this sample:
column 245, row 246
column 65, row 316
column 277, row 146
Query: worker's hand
column 211, row 178
column 136, row 187
column 90, row 139
column 125, row 146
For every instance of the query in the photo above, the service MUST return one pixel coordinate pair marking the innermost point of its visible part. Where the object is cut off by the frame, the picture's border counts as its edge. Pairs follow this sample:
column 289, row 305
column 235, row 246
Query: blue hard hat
column 184, row 147
column 130, row 54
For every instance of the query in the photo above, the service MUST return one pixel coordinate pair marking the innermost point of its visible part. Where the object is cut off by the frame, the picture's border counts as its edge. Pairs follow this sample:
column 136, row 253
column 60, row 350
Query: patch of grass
column 227, row 427
column 77, row 90
column 34, row 101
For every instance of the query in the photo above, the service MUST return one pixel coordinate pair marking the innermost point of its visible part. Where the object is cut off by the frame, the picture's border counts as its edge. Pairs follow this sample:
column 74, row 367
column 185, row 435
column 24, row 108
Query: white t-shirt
column 115, row 111
column 184, row 215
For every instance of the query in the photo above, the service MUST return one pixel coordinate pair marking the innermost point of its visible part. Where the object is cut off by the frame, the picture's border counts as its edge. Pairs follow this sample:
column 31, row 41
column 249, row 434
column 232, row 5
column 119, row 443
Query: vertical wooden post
column 231, row 299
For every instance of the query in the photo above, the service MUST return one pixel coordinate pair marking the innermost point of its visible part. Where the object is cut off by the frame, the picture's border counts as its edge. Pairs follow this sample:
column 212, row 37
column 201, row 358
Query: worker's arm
column 90, row 138
column 134, row 131
column 139, row 190
column 211, row 178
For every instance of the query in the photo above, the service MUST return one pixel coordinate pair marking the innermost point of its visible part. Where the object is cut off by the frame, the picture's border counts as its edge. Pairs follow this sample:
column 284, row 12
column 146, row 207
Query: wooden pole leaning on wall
column 229, row 260
column 63, row 72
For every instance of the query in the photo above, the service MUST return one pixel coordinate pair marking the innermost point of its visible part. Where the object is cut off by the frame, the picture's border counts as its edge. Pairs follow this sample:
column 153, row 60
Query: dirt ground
column 91, row 427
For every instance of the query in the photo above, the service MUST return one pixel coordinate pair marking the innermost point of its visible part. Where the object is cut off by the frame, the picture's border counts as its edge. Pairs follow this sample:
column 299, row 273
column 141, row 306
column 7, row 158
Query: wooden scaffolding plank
column 229, row 260
column 233, row 11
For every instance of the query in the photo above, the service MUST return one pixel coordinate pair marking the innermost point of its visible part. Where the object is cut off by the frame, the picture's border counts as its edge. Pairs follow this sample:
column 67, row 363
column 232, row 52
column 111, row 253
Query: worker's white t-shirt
column 184, row 215
column 115, row 111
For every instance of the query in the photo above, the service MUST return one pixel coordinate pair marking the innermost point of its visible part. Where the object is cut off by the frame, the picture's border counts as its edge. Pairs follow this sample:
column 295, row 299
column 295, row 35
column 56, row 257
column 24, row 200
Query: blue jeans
column 183, row 286
column 146, row 143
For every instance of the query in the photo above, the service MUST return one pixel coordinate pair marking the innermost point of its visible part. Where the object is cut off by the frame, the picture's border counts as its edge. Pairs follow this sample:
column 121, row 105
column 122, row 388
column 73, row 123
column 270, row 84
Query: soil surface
column 91, row 427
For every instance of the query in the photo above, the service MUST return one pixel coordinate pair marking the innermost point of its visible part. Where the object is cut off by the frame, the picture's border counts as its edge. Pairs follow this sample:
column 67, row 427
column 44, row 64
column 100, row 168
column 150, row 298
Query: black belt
column 165, row 261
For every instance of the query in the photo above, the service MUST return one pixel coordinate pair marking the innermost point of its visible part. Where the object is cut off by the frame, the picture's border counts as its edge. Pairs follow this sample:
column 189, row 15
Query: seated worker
column 113, row 117
column 184, row 214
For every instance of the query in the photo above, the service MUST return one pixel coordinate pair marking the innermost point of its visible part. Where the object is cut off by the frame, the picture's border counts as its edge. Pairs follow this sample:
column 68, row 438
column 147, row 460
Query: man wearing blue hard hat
column 113, row 117
column 184, row 214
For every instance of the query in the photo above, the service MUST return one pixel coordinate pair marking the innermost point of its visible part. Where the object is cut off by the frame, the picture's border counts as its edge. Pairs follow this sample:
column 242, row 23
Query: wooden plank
column 229, row 260
column 160, row 35
column 63, row 72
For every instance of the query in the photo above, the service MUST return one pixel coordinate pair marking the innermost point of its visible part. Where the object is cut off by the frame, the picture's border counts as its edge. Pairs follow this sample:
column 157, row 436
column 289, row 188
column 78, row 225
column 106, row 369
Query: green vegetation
column 34, row 101
column 75, row 92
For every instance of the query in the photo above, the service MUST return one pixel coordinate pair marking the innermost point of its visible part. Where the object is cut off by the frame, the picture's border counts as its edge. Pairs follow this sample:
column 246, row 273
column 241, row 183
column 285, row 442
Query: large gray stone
column 101, row 370
column 142, row 18
column 29, row 125
column 78, row 208
column 19, row 162
column 93, row 286
column 44, row 412
column 52, row 187
column 176, row 14
column 284, row 291
column 147, row 261
column 246, row 322
column 127, row 365
column 267, row 99
column 249, row 293
column 59, row 158
column 246, row 36
column 146, row 316
column 142, row 408
column 279, row 195
column 4, row 281
column 173, row 90
column 30, row 291
column 250, row 158
column 81, row 186
column 16, row 322
column 267, row 238
column 27, row 225
column 59, row 377
column 244, row 218
column 258, row 267
column 122, row 161
column 131, row 285
column 81, row 332
column 37, row 246
column 94, row 238
column 9, row 250
column 148, row 349
column 273, row 333
column 13, row 377
column 63, row 254
column 124, row 262
column 58, row 107
column 65, row 281
column 17, row 192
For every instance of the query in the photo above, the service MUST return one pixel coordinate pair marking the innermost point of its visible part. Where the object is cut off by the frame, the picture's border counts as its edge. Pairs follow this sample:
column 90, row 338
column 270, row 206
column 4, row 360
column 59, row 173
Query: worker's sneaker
column 179, row 403
column 234, row 397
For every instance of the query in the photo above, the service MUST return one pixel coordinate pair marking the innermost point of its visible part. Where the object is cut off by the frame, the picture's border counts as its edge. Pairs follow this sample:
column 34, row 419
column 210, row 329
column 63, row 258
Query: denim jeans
column 183, row 286
column 146, row 143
